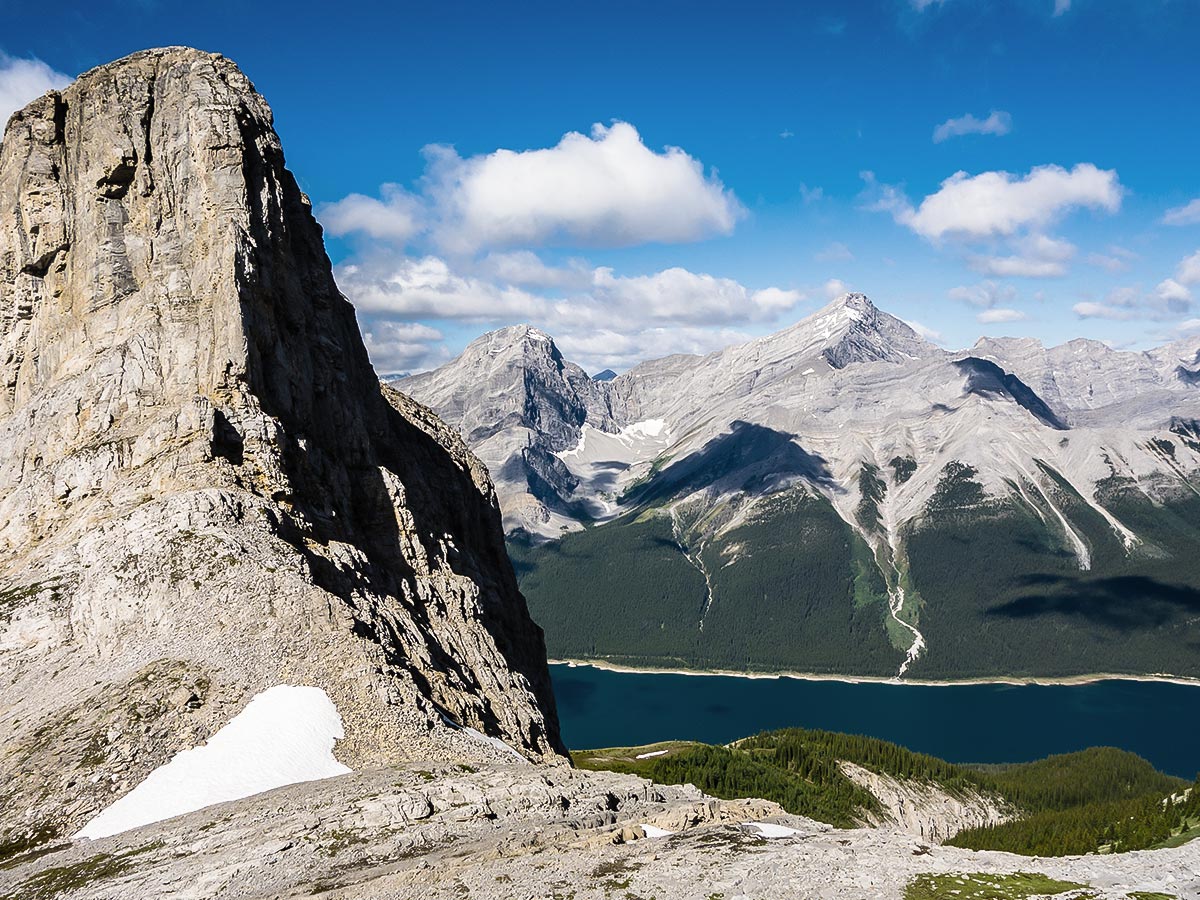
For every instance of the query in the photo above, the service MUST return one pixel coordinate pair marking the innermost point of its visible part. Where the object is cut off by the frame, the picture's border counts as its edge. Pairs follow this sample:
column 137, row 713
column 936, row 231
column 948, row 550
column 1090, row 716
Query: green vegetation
column 793, row 587
column 1102, row 799
column 1097, row 800
column 797, row 768
column 995, row 585
column 52, row 882
column 903, row 468
column 1005, row 573
column 872, row 490
column 983, row 886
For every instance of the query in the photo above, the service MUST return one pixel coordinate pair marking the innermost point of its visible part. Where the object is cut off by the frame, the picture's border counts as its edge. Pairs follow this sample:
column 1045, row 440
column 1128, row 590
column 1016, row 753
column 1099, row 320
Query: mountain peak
column 851, row 329
column 854, row 301
column 270, row 514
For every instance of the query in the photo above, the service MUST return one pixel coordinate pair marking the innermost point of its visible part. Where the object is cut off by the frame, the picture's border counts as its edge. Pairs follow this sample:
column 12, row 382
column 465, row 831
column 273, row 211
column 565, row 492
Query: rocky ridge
column 441, row 831
column 204, row 491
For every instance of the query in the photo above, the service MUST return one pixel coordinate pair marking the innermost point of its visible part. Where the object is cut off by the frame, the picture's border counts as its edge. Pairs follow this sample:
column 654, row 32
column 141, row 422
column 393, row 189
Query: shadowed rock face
column 199, row 471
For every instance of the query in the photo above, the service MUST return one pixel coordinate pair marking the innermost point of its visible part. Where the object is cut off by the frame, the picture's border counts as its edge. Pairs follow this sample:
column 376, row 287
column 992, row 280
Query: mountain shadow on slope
column 987, row 379
column 1123, row 602
column 749, row 458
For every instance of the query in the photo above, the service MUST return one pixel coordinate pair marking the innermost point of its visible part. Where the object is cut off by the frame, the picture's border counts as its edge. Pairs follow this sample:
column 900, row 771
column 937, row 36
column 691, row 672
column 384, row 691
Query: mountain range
column 845, row 496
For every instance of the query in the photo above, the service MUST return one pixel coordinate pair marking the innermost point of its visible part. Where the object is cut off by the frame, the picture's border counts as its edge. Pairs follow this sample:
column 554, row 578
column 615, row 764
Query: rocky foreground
column 522, row 831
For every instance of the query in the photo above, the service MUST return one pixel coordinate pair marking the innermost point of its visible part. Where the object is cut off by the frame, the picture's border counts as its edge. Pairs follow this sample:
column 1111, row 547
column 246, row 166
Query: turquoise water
column 980, row 723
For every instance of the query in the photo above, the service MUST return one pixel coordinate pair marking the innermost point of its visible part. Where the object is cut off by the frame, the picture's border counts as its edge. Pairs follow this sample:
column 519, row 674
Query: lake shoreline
column 1015, row 681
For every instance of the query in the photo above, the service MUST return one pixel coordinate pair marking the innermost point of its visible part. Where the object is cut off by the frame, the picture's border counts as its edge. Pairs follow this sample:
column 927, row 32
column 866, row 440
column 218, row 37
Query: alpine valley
column 846, row 497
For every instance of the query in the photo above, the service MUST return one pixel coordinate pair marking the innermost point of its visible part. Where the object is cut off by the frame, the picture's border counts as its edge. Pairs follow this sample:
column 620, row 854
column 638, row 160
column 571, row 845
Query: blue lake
column 979, row 723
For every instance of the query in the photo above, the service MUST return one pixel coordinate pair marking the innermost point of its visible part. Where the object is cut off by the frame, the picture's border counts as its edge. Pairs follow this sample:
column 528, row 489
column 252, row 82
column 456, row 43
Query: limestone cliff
column 203, row 489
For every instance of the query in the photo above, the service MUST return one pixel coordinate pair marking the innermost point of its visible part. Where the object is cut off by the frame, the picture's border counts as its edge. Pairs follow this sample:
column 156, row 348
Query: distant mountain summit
column 846, row 496
column 606, row 375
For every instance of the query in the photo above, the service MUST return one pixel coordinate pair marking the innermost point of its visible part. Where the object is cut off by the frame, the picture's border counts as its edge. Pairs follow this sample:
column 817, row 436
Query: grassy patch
column 980, row 886
column 50, row 883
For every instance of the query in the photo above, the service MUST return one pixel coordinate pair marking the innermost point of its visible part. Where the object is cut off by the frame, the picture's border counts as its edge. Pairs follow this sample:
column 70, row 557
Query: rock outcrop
column 519, row 403
column 204, row 491
column 437, row 831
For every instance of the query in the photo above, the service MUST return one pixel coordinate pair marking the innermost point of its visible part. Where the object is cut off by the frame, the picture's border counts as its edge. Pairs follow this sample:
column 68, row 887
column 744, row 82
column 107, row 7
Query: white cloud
column 924, row 331
column 811, row 195
column 1109, row 263
column 998, row 123
column 1061, row 7
column 23, row 80
column 677, row 295
column 1168, row 300
column 1173, row 295
column 606, row 189
column 1037, row 256
column 674, row 310
column 1188, row 214
column 985, row 295
column 922, row 5
column 397, row 347
column 526, row 269
column 1188, row 271
column 835, row 252
column 608, row 349
column 426, row 288
column 1092, row 310
column 397, row 217
column 999, row 204
column 835, row 287
column 994, row 316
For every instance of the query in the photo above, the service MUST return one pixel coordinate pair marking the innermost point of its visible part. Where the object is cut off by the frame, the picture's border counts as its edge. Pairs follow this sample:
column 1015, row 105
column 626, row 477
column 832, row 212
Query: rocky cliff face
column 519, row 403
column 203, row 489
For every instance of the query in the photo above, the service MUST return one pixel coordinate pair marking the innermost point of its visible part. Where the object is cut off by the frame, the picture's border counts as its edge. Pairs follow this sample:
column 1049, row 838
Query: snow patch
column 655, row 832
column 651, row 753
column 648, row 428
column 771, row 830
column 285, row 735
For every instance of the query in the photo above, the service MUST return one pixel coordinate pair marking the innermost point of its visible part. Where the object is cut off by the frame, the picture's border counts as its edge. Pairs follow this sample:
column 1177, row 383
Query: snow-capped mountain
column 1090, row 449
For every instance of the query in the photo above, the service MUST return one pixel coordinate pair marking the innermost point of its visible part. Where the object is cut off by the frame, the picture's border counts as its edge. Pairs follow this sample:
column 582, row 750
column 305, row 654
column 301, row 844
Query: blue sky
column 806, row 160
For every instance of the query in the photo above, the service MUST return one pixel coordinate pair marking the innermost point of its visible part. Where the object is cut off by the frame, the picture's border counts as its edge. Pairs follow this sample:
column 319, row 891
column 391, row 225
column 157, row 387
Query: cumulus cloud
column 425, row 287
column 1061, row 7
column 606, row 189
column 397, row 217
column 1037, row 256
column 677, row 295
column 608, row 349
column 1188, row 214
column 835, row 252
column 397, row 347
column 835, row 287
column 1092, row 310
column 603, row 189
column 23, row 80
column 1188, row 271
column 999, row 204
column 924, row 331
column 985, row 295
column 1173, row 295
column 811, row 195
column 1169, row 298
column 998, row 123
column 674, row 310
column 994, row 316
